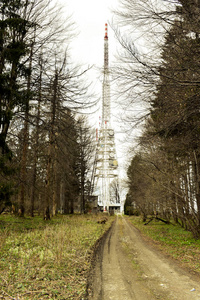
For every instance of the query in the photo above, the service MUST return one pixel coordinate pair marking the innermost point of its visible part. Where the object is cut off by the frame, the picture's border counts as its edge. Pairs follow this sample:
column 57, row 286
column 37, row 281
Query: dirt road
column 127, row 268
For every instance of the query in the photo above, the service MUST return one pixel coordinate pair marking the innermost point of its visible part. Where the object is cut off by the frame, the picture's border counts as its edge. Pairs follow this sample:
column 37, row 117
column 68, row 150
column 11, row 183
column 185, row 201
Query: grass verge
column 46, row 260
column 173, row 241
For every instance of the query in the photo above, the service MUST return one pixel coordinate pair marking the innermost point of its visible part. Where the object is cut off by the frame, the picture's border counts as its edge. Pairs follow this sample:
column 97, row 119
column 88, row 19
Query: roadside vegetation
column 46, row 144
column 160, row 91
column 47, row 260
column 172, row 240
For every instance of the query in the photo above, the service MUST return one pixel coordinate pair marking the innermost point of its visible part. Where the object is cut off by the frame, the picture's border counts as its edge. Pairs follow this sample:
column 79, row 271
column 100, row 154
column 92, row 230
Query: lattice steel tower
column 105, row 167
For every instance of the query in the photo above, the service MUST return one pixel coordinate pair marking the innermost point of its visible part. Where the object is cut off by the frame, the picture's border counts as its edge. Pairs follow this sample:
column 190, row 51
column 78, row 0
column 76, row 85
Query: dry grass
column 47, row 261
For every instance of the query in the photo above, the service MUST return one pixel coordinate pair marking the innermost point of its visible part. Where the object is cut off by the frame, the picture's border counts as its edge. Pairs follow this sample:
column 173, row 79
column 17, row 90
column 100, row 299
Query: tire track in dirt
column 126, row 268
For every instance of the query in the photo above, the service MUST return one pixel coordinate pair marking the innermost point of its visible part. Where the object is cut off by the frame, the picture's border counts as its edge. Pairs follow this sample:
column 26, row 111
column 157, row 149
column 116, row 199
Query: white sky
column 87, row 48
column 90, row 17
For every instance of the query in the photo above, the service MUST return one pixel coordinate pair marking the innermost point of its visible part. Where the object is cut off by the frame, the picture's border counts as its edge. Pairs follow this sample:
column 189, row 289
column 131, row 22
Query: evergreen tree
column 13, row 95
column 176, row 109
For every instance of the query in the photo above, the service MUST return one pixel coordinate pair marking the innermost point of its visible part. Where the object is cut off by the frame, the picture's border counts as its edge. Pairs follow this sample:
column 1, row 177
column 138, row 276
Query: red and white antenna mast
column 105, row 166
column 106, row 48
column 106, row 84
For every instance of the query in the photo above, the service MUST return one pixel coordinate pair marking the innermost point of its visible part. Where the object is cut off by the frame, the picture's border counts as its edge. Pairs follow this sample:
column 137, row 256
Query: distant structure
column 105, row 172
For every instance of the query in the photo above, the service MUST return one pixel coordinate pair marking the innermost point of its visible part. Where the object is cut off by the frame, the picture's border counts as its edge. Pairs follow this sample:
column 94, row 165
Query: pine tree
column 13, row 47
column 176, row 108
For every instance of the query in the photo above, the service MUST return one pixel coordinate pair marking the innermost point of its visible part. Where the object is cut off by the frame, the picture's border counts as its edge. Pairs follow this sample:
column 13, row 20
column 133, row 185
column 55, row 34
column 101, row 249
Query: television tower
column 105, row 166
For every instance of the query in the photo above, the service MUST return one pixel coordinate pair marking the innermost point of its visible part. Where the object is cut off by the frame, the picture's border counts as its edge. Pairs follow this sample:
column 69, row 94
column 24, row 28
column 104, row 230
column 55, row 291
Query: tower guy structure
column 106, row 165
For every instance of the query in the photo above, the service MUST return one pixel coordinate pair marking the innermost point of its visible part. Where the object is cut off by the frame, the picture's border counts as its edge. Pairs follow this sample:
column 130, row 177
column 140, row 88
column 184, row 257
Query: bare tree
column 85, row 159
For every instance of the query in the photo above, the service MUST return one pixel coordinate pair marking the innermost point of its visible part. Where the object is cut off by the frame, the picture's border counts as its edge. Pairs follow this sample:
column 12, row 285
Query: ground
column 126, row 267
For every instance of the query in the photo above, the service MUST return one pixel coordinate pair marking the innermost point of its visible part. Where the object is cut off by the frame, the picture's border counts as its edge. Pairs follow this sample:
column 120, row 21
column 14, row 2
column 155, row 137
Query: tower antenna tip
column 106, row 31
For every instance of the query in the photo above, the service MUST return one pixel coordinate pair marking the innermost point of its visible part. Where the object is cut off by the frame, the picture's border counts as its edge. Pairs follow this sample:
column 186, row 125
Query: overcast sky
column 87, row 48
column 90, row 17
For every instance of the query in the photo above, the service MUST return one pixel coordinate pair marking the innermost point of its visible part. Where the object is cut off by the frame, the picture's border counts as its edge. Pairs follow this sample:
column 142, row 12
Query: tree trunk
column 82, row 194
column 54, row 186
column 197, row 179
column 62, row 196
column 51, row 152
column 23, row 171
column 36, row 148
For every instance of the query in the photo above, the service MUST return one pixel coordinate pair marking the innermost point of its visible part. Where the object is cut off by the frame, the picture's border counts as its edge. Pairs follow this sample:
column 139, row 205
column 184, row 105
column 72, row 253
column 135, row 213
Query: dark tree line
column 45, row 148
column 164, row 174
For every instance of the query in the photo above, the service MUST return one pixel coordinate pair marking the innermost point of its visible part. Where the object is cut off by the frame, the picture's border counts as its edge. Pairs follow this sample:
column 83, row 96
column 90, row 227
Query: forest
column 46, row 144
column 50, row 245
column 164, row 172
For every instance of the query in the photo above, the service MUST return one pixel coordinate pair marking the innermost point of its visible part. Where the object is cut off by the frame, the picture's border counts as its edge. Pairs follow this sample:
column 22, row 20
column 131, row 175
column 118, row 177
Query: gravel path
column 127, row 268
